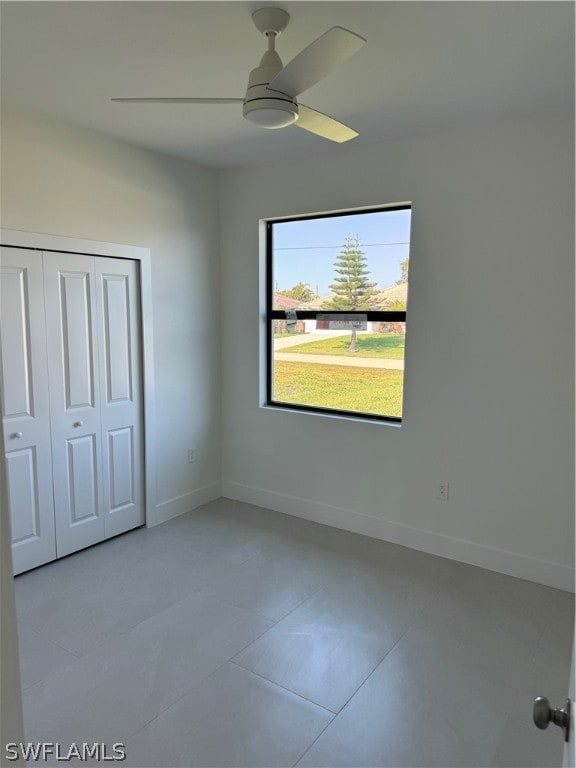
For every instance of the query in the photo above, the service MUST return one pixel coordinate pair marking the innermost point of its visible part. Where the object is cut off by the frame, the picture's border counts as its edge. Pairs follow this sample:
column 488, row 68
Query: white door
column 569, row 760
column 73, row 369
column 26, row 409
column 121, row 393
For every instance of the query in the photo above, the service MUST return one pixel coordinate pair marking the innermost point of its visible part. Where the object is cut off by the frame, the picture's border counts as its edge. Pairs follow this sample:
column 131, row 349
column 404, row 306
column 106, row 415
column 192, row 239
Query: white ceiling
column 427, row 66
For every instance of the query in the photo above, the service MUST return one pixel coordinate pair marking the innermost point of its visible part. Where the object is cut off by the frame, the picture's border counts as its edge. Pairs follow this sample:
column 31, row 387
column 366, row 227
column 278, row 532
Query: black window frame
column 279, row 314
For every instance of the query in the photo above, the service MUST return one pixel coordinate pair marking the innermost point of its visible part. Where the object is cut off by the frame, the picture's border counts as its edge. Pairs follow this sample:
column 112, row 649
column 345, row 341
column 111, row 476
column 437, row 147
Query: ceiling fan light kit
column 270, row 100
column 275, row 113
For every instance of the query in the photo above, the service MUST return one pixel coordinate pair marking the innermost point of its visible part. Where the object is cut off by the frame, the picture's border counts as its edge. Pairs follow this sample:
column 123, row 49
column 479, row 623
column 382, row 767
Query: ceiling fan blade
column 319, row 59
column 322, row 125
column 179, row 100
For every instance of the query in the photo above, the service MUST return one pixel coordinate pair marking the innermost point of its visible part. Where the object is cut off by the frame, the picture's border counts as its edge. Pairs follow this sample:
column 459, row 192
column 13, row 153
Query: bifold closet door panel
column 118, row 313
column 73, row 369
column 25, row 408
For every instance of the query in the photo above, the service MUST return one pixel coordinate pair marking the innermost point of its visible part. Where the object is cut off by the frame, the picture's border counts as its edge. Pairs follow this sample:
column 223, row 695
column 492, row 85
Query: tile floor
column 237, row 636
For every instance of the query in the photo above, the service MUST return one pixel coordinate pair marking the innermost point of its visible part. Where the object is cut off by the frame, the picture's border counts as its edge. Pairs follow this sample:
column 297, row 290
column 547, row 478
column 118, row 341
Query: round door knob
column 16, row 434
column 544, row 714
column 78, row 423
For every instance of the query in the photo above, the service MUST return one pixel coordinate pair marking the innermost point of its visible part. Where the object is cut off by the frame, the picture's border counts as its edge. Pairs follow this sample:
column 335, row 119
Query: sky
column 305, row 251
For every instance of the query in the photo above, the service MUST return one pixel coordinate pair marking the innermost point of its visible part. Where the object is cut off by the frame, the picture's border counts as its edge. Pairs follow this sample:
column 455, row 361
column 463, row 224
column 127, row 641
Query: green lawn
column 387, row 345
column 367, row 390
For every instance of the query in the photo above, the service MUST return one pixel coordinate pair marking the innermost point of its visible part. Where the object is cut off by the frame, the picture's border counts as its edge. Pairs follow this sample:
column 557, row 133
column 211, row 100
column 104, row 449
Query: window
column 337, row 290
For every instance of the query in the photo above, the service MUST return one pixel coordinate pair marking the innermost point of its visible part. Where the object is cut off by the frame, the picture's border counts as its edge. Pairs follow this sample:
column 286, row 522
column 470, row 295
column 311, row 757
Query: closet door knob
column 16, row 434
column 78, row 423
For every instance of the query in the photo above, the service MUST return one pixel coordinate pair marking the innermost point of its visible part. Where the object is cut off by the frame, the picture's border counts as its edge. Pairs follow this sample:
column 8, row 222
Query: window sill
column 378, row 420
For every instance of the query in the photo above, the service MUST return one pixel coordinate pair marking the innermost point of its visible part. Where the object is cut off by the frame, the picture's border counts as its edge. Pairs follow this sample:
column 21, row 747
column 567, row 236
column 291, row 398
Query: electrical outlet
column 191, row 455
column 442, row 491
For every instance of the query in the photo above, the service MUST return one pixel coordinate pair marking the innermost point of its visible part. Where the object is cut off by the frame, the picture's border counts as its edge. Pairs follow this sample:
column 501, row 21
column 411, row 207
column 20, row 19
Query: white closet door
column 26, row 409
column 73, row 367
column 121, row 393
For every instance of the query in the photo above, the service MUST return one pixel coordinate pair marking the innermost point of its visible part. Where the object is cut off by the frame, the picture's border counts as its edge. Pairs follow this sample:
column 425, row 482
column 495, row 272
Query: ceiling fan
column 270, row 100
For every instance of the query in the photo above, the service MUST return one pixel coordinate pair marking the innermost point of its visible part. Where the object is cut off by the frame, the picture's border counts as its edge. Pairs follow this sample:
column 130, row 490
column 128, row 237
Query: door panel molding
column 18, row 391
column 118, row 346
column 77, row 340
column 83, row 478
column 22, row 474
column 121, row 468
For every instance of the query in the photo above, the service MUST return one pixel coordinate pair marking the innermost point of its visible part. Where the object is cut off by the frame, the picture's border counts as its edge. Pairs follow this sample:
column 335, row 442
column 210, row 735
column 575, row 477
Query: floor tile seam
column 309, row 747
column 226, row 661
column 117, row 635
column 274, row 623
column 285, row 688
column 92, row 548
column 189, row 690
column 300, row 604
column 233, row 604
column 173, row 702
column 539, row 643
column 202, row 680
column 26, row 688
column 105, row 641
column 376, row 666
column 55, row 673
column 249, row 560
column 55, row 643
column 248, row 611
column 445, row 716
column 203, row 593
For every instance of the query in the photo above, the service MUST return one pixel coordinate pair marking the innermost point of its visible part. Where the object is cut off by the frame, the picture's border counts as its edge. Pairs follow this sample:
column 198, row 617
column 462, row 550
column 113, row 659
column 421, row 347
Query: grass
column 387, row 345
column 366, row 390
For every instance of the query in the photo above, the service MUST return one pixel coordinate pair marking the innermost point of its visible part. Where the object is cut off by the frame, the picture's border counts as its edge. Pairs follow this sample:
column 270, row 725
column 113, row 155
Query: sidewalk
column 353, row 362
column 306, row 338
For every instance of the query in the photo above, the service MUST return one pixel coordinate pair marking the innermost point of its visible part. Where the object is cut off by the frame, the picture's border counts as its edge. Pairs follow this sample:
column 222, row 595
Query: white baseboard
column 510, row 563
column 166, row 510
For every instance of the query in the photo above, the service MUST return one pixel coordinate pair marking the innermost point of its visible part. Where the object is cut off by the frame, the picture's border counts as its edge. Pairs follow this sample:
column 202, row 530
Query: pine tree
column 351, row 287
column 403, row 272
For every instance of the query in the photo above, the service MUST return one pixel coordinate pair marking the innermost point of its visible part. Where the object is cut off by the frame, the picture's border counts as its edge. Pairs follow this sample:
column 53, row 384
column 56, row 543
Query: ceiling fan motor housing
column 264, row 106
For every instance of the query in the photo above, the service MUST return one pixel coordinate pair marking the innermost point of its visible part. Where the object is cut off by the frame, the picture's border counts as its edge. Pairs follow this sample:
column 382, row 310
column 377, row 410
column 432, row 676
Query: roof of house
column 381, row 300
column 318, row 302
column 391, row 295
column 285, row 302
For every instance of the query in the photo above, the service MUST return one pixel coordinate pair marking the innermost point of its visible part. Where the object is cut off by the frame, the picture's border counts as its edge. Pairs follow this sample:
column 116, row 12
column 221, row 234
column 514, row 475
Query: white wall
column 489, row 355
column 60, row 180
